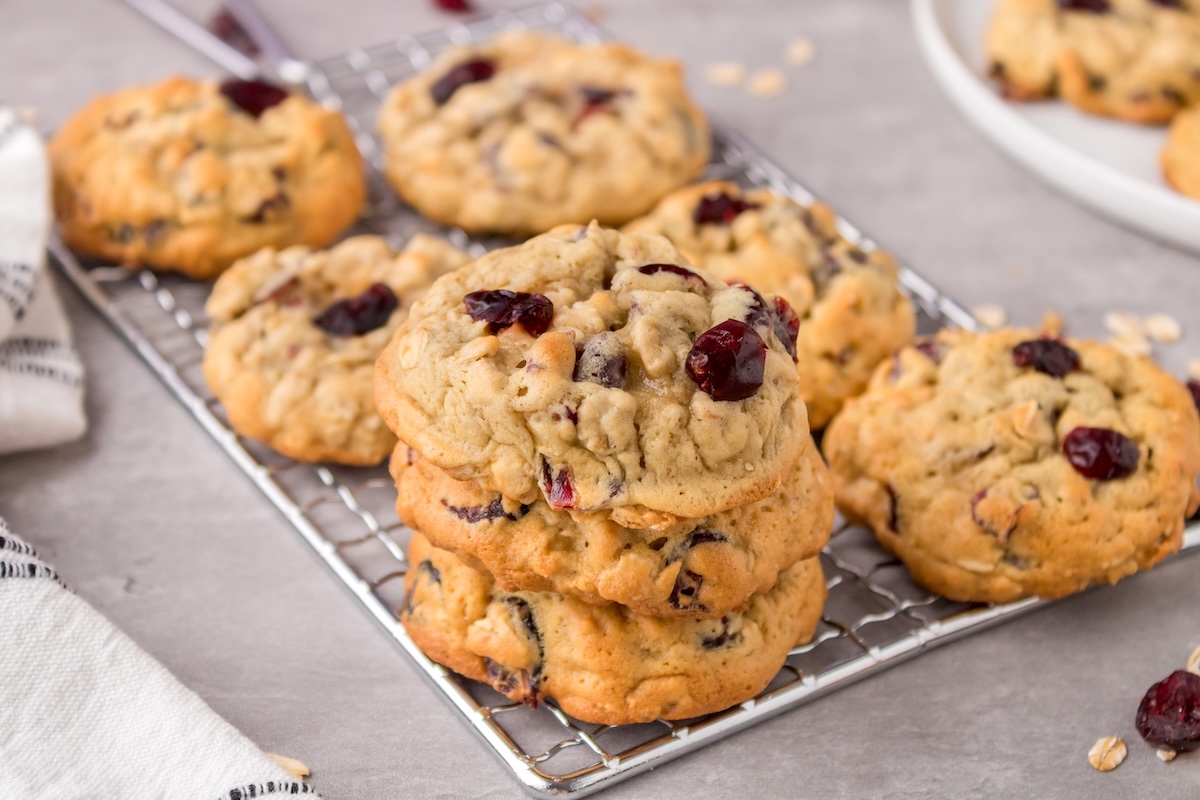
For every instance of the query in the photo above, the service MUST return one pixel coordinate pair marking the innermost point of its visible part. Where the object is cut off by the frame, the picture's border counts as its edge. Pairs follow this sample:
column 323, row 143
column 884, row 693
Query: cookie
column 1138, row 60
column 603, row 664
column 699, row 568
column 1004, row 465
column 294, row 338
column 852, row 313
column 530, row 131
column 1181, row 156
column 192, row 175
column 593, row 370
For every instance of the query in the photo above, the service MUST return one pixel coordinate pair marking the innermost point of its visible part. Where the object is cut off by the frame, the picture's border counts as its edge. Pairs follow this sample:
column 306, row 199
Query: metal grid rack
column 875, row 616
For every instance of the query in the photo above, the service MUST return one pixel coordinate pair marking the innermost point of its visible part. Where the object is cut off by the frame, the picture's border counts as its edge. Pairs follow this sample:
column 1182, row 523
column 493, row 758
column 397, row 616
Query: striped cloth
column 41, row 379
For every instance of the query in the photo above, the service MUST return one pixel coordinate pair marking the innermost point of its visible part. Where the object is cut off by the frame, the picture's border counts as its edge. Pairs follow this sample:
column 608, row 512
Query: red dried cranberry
column 473, row 71
column 686, row 590
column 253, row 97
column 930, row 349
column 728, row 361
column 756, row 312
column 1100, row 454
column 359, row 315
column 1048, row 356
column 1169, row 714
column 1094, row 6
column 722, row 639
column 787, row 325
column 720, row 209
column 457, row 6
column 1193, row 386
column 674, row 269
column 893, row 508
column 594, row 99
column 501, row 309
column 558, row 489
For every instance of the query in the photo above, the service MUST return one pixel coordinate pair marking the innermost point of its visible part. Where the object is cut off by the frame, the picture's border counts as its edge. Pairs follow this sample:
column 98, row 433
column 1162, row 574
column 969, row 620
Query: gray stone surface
column 151, row 523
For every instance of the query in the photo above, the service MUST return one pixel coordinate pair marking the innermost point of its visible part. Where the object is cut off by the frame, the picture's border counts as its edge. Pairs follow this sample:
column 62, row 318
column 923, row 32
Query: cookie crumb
column 297, row 769
column 1123, row 323
column 725, row 73
column 1107, row 753
column 990, row 316
column 1193, row 662
column 595, row 12
column 800, row 52
column 767, row 83
column 1053, row 324
column 1132, row 344
column 1165, row 754
column 1163, row 328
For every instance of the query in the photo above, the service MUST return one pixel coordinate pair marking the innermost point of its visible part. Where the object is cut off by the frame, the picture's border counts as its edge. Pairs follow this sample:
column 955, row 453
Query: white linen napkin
column 85, row 713
column 41, row 379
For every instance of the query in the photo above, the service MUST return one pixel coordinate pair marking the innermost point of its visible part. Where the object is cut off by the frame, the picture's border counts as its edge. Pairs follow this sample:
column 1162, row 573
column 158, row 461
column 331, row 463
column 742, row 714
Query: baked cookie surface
column 1138, row 60
column 1181, row 156
column 700, row 568
column 192, row 175
column 530, row 131
column 294, row 338
column 591, row 369
column 852, row 313
column 1004, row 465
column 603, row 664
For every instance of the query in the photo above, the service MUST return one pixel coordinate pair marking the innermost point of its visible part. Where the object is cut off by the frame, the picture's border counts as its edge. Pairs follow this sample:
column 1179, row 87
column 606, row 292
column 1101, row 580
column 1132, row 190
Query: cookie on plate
column 1005, row 465
column 1138, row 60
column 294, row 338
column 529, row 131
column 603, row 664
column 1181, row 156
column 852, row 313
column 699, row 568
column 591, row 369
column 192, row 175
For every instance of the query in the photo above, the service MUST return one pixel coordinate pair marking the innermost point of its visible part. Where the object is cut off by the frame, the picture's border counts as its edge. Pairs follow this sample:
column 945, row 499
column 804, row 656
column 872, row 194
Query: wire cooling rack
column 875, row 615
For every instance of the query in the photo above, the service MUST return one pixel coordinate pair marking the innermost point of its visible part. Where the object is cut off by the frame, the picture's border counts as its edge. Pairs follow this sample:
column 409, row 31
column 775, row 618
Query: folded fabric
column 41, row 379
column 85, row 713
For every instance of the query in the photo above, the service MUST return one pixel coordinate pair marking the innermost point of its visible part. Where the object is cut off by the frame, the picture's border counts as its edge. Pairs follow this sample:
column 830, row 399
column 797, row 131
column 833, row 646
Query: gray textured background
column 152, row 524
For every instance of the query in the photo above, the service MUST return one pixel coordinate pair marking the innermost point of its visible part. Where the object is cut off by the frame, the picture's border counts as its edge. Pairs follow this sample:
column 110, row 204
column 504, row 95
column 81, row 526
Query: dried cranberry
column 602, row 361
column 756, row 311
column 225, row 26
column 728, row 361
column 1169, row 714
column 472, row 71
column 686, row 590
column 594, row 99
column 722, row 639
column 694, row 540
column 787, row 325
column 1094, row 6
column 930, row 349
column 720, row 208
column 501, row 309
column 253, row 97
column 893, row 508
column 493, row 510
column 1100, row 454
column 558, row 489
column 359, row 315
column 1193, row 386
column 457, row 6
column 674, row 269
column 1048, row 356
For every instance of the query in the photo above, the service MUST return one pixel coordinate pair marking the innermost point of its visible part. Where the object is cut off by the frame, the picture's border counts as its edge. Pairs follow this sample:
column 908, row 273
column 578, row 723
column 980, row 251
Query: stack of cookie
column 606, row 458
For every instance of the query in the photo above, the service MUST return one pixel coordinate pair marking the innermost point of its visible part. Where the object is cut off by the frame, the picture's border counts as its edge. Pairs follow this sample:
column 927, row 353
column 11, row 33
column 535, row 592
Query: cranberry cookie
column 603, row 664
column 192, row 175
column 295, row 336
column 530, row 131
column 593, row 370
column 1004, row 465
column 699, row 568
column 1138, row 60
column 852, row 314
column 1181, row 157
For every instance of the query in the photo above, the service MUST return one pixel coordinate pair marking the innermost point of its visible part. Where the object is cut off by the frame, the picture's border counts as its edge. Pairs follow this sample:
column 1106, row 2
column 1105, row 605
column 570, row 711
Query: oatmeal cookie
column 852, row 313
column 1181, row 157
column 192, row 175
column 1005, row 465
column 530, row 131
column 603, row 664
column 295, row 336
column 592, row 369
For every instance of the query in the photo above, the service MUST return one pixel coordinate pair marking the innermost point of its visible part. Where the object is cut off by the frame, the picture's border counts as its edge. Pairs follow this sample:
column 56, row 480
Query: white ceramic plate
column 1109, row 166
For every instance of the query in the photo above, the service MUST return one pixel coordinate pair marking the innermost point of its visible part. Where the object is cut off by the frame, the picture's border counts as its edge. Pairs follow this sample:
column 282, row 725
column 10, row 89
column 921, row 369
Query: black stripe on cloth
column 17, row 280
column 268, row 789
column 9, row 569
column 42, row 358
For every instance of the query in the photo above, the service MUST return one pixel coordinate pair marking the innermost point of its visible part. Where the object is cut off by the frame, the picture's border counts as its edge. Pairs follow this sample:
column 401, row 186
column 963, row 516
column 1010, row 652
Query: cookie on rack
column 1181, row 156
column 192, row 175
column 592, row 369
column 295, row 336
column 852, row 313
column 529, row 131
column 699, row 568
column 1011, row 464
column 603, row 664
column 1138, row 60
